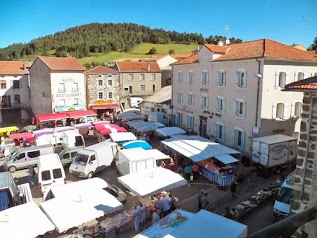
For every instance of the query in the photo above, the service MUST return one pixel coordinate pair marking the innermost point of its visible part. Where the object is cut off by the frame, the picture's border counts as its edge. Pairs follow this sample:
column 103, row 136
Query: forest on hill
column 85, row 40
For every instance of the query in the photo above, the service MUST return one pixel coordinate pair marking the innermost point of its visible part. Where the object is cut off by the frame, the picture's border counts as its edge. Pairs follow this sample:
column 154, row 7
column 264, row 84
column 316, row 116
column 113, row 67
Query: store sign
column 68, row 95
column 69, row 108
column 278, row 152
column 102, row 102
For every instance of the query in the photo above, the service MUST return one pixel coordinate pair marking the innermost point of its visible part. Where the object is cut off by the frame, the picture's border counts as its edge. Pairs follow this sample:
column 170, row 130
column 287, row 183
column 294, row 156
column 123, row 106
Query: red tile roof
column 217, row 48
column 180, row 56
column 101, row 70
column 309, row 84
column 265, row 48
column 12, row 68
column 189, row 60
column 138, row 67
column 62, row 63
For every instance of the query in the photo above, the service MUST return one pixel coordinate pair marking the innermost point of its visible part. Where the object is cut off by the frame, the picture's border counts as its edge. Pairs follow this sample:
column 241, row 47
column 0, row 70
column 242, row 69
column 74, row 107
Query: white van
column 25, row 157
column 51, row 172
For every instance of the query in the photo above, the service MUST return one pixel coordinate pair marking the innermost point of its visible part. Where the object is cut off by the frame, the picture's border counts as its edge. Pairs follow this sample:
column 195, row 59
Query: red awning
column 104, row 106
column 104, row 131
column 22, row 135
column 51, row 117
column 81, row 113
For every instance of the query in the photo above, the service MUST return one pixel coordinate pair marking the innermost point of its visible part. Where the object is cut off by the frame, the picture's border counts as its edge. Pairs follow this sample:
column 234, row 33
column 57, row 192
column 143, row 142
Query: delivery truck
column 133, row 160
column 92, row 159
column 274, row 151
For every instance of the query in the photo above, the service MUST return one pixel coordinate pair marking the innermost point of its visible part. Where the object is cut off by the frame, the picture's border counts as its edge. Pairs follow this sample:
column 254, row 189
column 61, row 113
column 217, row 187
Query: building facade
column 234, row 93
column 14, row 92
column 137, row 79
column 57, row 85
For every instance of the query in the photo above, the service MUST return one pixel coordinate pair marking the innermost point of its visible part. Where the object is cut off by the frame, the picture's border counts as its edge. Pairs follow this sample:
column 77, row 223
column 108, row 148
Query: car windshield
column 285, row 195
column 81, row 159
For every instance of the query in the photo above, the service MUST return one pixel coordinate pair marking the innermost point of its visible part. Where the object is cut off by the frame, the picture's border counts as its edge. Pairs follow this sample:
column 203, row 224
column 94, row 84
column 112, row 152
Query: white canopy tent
column 151, row 181
column 169, row 131
column 157, row 154
column 26, row 220
column 79, row 202
column 122, row 136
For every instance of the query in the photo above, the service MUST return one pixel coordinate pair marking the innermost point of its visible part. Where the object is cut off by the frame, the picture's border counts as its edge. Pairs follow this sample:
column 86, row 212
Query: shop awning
column 85, row 113
column 51, row 117
column 104, row 106
column 22, row 135
column 226, row 159
column 123, row 136
column 152, row 181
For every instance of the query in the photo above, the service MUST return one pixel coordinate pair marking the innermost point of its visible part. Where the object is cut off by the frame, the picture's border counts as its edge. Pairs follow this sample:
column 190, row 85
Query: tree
column 152, row 51
column 171, row 51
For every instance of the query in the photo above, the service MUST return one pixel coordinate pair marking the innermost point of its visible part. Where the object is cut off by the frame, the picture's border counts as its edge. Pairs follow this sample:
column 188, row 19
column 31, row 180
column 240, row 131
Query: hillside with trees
column 86, row 40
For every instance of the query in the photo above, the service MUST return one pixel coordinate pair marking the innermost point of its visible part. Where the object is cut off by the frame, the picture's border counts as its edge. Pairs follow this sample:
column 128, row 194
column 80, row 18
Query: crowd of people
column 145, row 216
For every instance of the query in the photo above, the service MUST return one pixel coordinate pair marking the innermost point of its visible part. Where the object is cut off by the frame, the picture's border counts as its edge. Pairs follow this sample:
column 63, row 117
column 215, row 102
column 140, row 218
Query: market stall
column 122, row 137
column 25, row 220
column 27, row 136
column 137, row 143
column 169, row 131
column 153, row 181
column 215, row 160
column 80, row 202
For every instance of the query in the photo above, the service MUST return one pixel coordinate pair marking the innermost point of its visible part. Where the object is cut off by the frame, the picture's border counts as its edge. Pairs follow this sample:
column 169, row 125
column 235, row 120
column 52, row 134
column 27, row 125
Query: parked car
column 117, row 193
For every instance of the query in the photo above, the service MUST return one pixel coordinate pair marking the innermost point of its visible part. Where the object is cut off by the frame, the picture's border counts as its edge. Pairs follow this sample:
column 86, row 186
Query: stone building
column 305, row 186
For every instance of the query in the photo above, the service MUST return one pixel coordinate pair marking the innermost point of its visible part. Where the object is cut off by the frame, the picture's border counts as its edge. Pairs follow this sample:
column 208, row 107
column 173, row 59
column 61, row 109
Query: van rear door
column 51, row 177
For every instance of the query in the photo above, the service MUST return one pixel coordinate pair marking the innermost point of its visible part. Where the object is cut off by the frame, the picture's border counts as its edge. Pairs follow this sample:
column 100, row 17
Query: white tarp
column 151, row 181
column 226, row 159
column 169, row 131
column 157, row 155
column 79, row 202
column 197, row 148
column 122, row 136
column 24, row 221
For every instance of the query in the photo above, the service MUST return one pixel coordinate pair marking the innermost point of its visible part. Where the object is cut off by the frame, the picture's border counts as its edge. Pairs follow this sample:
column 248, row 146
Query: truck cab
column 282, row 204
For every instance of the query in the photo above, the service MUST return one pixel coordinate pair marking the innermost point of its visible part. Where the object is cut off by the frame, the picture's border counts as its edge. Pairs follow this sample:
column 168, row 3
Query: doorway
column 203, row 126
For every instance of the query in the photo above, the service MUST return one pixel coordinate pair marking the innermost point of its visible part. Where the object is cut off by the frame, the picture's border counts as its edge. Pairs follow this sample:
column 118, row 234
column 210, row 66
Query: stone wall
column 305, row 187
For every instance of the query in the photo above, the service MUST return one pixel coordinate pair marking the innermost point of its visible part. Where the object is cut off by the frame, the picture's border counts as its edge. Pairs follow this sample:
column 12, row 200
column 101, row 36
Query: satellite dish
column 227, row 42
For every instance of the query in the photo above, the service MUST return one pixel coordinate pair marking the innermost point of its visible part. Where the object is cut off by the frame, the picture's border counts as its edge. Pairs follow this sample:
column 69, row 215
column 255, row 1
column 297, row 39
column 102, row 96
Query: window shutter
column 285, row 115
column 214, row 131
column 216, row 104
column 274, row 111
column 246, row 79
column 193, row 98
column 233, row 137
column 201, row 101
column 207, row 78
column 286, row 79
column 224, row 78
column 188, row 101
column 295, row 77
column 234, row 107
column 223, row 134
column 224, row 104
column 244, row 109
column 181, row 97
column 219, row 78
column 243, row 137
column 292, row 110
column 207, row 102
column 237, row 79
column 201, row 78
column 277, row 74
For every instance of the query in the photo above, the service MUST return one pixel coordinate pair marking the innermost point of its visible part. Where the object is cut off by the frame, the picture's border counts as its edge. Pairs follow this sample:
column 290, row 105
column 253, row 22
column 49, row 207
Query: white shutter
column 277, row 74
column 285, row 115
column 233, row 137
column 244, row 109
column 214, row 130
column 207, row 73
column 286, row 79
column 235, row 107
column 274, row 111
column 237, row 79
column 243, row 137
column 201, row 78
column 295, row 77
column 201, row 101
column 223, row 134
column 216, row 105
column 207, row 102
column 246, row 79
column 292, row 110
column 219, row 78
column 224, row 104
column 224, row 78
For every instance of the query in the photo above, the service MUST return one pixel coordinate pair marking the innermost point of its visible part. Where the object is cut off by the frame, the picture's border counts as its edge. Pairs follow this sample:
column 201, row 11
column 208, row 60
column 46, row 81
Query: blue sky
column 286, row 21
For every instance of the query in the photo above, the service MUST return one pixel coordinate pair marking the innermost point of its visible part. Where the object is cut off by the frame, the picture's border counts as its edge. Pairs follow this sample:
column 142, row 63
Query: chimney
column 148, row 67
column 24, row 66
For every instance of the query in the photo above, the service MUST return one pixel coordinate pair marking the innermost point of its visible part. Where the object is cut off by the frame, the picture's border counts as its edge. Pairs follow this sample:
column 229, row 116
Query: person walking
column 143, row 214
column 233, row 189
column 165, row 206
column 195, row 170
column 31, row 172
column 158, row 205
column 172, row 201
column 188, row 171
column 200, row 196
column 137, row 218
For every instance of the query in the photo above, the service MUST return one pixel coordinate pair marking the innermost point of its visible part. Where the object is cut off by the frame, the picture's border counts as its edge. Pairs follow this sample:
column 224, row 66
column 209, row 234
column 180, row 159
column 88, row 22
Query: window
column 239, row 108
column 130, row 77
column 191, row 77
column 221, row 78
column 190, row 99
column 179, row 119
column 179, row 97
column 110, row 95
column 76, row 101
column 100, row 82
column 142, row 87
column 180, row 76
column 110, row 82
column 75, row 87
column 279, row 110
column 142, row 76
column 220, row 132
column 204, row 101
column 204, row 78
column 57, row 173
column 126, row 89
column 62, row 102
column 220, row 104
column 3, row 84
column 33, row 154
column 100, row 95
column 16, row 84
column 280, row 80
column 61, row 88
column 190, row 122
column 17, row 99
column 241, row 79
column 238, row 138
column 300, row 76
column 46, row 175
column 296, row 109
column 153, row 76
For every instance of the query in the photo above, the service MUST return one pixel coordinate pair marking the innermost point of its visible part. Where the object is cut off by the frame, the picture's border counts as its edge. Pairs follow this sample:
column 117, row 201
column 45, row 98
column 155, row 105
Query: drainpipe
column 258, row 93
column 307, row 144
